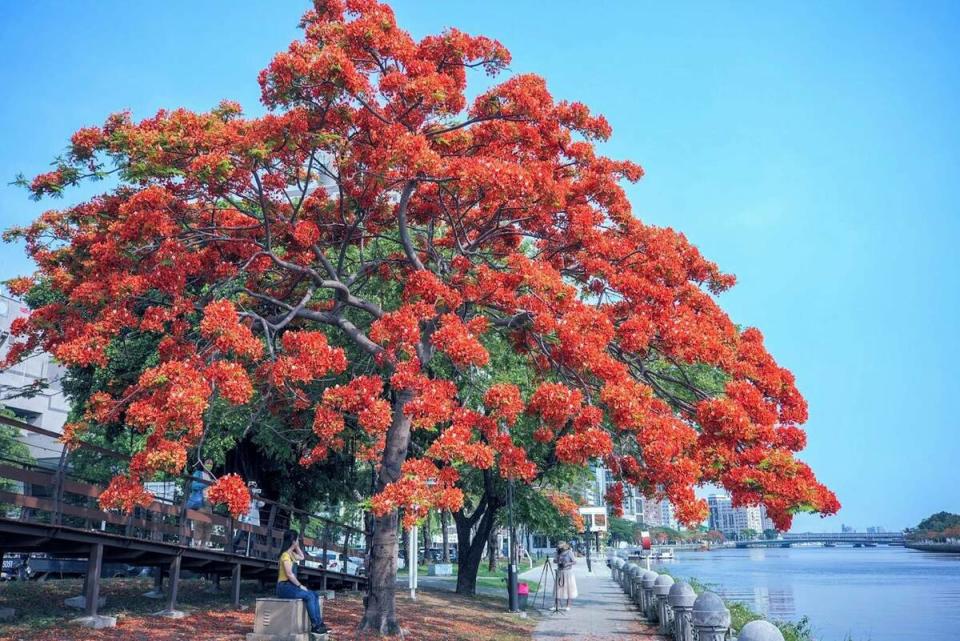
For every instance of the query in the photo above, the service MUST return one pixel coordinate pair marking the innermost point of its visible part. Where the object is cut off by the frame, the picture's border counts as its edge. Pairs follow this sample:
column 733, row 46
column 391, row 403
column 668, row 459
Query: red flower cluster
column 306, row 357
column 504, row 402
column 614, row 497
column 458, row 341
column 221, row 325
column 567, row 507
column 422, row 487
column 125, row 493
column 230, row 490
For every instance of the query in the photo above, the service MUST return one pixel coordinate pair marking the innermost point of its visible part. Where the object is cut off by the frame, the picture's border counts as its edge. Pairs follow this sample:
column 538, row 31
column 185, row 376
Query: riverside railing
column 677, row 610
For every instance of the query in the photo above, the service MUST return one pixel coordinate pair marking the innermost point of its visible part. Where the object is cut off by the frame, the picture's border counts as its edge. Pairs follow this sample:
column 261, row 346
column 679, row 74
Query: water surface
column 863, row 594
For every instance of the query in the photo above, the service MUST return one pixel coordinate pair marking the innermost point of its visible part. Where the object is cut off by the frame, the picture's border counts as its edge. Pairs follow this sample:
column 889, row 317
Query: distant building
column 636, row 507
column 47, row 409
column 847, row 528
column 876, row 529
column 732, row 521
column 766, row 521
column 721, row 513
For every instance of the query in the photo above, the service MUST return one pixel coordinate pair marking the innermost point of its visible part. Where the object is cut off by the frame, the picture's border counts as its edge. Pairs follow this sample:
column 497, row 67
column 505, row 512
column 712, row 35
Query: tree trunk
column 444, row 523
column 492, row 551
column 470, row 545
column 426, row 539
column 380, row 614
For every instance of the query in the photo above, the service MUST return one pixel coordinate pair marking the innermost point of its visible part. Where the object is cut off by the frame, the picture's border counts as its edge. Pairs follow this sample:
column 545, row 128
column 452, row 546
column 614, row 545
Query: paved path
column 601, row 613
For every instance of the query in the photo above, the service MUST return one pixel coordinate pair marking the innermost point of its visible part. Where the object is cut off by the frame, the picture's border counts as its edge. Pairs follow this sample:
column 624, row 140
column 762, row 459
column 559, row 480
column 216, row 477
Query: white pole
column 412, row 562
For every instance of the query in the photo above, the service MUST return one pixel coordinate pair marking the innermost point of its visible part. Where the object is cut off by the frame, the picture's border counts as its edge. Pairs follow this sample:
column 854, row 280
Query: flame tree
column 259, row 252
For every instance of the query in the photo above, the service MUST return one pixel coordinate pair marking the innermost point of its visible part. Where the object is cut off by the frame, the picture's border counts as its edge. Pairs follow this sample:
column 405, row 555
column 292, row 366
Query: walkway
column 601, row 613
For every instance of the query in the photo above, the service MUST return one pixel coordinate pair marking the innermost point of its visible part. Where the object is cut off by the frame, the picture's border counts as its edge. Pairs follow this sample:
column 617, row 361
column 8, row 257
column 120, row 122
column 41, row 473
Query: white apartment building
column 732, row 521
column 47, row 409
column 636, row 507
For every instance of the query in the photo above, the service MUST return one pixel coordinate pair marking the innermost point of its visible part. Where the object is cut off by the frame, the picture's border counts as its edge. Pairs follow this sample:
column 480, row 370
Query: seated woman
column 288, row 587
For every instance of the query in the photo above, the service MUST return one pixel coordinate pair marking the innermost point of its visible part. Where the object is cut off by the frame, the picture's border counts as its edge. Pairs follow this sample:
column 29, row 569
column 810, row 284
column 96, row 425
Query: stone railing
column 677, row 610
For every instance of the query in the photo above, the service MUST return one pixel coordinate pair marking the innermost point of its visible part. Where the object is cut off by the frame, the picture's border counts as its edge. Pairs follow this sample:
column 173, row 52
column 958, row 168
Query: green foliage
column 621, row 529
column 939, row 522
column 12, row 451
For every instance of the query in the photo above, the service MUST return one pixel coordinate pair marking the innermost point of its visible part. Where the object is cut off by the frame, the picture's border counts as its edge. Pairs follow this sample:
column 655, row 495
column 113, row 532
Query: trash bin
column 523, row 591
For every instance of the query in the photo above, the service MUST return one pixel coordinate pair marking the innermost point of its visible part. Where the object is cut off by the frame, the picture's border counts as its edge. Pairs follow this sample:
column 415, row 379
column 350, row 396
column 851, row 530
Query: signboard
column 594, row 517
column 645, row 540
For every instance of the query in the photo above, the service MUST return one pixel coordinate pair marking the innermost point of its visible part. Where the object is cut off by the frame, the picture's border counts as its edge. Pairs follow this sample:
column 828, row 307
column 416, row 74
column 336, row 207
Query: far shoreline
column 943, row 548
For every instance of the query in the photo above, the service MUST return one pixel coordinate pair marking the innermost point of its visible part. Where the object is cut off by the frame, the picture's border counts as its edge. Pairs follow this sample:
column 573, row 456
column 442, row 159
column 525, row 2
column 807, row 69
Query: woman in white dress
column 566, row 587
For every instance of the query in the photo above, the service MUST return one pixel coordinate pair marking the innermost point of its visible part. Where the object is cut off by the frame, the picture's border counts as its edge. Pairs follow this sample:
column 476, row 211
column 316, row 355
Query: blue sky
column 811, row 149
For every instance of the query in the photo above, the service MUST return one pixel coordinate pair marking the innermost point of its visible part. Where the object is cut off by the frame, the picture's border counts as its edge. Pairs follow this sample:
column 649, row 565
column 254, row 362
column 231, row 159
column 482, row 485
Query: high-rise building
column 721, row 513
column 732, row 521
column 636, row 507
column 668, row 516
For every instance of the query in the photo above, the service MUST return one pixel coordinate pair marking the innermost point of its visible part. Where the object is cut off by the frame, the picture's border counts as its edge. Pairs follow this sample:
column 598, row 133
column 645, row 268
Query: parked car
column 42, row 566
column 334, row 561
column 356, row 565
column 435, row 555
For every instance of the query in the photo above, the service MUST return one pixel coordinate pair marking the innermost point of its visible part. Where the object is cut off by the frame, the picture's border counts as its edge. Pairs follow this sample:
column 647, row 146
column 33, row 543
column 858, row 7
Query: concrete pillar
column 710, row 618
column 649, row 600
column 641, row 593
column 616, row 563
column 622, row 579
column 235, row 585
column 174, row 583
column 624, row 576
column 760, row 631
column 681, row 598
column 661, row 588
column 636, row 591
column 91, row 590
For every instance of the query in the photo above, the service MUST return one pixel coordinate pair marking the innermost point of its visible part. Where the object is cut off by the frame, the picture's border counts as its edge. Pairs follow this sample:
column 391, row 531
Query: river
column 860, row 594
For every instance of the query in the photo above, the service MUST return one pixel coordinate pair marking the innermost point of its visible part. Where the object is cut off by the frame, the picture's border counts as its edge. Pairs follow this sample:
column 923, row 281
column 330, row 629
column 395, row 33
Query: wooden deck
column 50, row 511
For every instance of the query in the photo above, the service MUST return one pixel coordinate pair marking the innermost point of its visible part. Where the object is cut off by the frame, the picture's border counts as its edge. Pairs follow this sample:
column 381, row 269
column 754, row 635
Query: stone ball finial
column 661, row 587
column 648, row 578
column 681, row 595
column 760, row 631
column 710, row 611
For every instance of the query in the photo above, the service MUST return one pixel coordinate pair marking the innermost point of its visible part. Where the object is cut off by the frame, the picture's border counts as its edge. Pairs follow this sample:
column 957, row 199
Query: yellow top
column 281, row 571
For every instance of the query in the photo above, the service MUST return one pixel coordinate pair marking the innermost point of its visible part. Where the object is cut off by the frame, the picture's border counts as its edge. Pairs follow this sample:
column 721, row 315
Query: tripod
column 548, row 571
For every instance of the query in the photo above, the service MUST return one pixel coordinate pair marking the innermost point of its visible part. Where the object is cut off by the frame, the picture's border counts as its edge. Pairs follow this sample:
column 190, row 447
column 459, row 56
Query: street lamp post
column 512, row 583
column 412, row 562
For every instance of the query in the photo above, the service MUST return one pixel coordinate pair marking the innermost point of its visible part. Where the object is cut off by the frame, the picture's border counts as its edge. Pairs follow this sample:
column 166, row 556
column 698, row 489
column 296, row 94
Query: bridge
column 55, row 512
column 859, row 539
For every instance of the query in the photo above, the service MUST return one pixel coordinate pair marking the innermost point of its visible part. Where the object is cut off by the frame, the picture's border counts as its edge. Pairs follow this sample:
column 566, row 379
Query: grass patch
column 485, row 578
